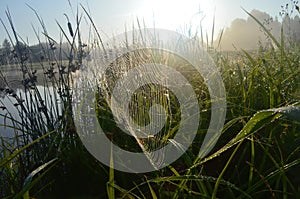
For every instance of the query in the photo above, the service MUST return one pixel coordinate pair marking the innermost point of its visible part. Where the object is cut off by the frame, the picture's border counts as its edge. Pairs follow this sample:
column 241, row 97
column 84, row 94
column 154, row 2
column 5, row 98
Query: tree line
column 35, row 53
column 248, row 35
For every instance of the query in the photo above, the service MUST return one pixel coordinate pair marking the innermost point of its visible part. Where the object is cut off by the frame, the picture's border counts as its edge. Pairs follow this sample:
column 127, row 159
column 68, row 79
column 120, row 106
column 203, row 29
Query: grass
column 257, row 155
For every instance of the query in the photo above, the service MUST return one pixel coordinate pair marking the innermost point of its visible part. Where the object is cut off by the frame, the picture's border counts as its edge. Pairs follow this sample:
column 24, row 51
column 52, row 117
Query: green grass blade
column 249, row 57
column 110, row 188
column 282, row 54
column 215, row 191
column 271, row 174
column 153, row 194
column 291, row 112
column 13, row 155
column 257, row 122
column 201, row 178
column 29, row 183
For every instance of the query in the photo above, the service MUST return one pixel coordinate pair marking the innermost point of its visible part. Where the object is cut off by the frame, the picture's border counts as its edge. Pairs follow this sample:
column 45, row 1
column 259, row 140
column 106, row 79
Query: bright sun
column 176, row 14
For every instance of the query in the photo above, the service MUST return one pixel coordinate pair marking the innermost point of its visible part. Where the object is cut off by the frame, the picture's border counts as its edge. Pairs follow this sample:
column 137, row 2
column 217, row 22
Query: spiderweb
column 153, row 107
column 147, row 101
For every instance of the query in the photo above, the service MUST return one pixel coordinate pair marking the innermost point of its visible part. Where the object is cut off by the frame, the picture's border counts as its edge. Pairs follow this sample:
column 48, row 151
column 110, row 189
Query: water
column 10, row 108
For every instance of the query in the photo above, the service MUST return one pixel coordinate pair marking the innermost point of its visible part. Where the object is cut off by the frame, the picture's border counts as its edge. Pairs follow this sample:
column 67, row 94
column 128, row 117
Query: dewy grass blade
column 19, row 151
column 215, row 191
column 258, row 121
column 259, row 79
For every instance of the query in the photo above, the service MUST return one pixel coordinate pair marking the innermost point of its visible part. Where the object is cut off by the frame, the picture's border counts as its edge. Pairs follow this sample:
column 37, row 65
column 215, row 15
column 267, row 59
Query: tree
column 6, row 47
column 6, row 52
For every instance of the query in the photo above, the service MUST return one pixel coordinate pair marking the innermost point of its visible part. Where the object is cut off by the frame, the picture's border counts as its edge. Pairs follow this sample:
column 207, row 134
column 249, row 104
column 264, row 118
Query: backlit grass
column 257, row 155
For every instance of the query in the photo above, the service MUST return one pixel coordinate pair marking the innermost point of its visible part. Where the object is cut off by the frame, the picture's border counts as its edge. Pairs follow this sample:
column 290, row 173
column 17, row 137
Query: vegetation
column 257, row 155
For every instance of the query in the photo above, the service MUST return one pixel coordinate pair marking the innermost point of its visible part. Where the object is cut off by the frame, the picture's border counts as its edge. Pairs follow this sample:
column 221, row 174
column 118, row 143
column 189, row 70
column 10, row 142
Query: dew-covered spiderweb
column 153, row 108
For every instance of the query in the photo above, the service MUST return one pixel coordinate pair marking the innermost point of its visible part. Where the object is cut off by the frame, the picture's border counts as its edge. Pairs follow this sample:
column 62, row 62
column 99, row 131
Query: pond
column 10, row 108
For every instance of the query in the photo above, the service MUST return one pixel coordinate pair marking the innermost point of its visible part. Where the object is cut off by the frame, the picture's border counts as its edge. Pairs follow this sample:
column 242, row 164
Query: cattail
column 70, row 29
column 69, row 26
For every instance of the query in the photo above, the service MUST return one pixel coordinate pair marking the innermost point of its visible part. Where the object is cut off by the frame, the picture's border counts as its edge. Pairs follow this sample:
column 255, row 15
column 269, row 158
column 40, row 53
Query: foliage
column 257, row 155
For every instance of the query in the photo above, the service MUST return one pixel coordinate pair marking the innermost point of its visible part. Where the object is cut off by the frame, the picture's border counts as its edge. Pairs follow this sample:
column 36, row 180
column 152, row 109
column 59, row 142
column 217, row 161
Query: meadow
column 257, row 155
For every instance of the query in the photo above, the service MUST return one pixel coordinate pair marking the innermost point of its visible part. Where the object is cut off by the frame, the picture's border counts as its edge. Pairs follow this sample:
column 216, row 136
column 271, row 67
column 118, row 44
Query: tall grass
column 40, row 110
column 257, row 155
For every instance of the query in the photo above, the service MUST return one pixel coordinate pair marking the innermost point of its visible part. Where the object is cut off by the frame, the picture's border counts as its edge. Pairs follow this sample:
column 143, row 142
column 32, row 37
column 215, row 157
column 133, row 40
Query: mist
column 248, row 35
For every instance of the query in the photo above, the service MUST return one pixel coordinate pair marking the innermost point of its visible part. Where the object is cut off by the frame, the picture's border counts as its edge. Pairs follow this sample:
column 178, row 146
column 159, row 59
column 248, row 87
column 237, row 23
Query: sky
column 111, row 16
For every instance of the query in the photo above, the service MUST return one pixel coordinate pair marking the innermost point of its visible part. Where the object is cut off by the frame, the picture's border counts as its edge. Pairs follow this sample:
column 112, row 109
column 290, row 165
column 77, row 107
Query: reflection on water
column 10, row 108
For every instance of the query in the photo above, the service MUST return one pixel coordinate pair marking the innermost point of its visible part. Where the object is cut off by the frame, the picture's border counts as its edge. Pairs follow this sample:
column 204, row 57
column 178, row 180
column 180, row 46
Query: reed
column 257, row 155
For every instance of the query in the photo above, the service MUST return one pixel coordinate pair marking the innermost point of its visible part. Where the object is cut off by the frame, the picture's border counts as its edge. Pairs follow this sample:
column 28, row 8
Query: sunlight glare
column 177, row 14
